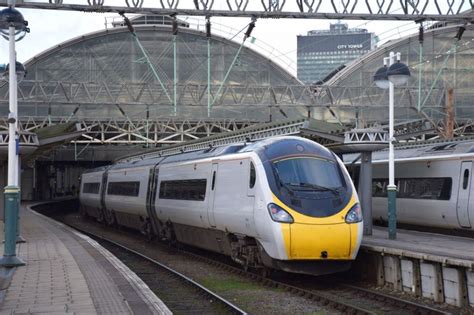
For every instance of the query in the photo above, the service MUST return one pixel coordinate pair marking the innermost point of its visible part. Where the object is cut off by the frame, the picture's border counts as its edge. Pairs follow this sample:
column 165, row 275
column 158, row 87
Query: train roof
column 97, row 169
column 181, row 157
column 423, row 150
column 279, row 145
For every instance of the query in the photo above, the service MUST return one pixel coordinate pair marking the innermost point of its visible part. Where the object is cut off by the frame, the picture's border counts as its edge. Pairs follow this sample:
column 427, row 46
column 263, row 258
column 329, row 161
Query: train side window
column 465, row 180
column 131, row 189
column 91, row 188
column 213, row 180
column 188, row 189
column 437, row 188
column 253, row 176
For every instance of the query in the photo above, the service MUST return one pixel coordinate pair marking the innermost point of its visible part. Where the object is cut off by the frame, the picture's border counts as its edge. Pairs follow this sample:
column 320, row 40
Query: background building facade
column 323, row 51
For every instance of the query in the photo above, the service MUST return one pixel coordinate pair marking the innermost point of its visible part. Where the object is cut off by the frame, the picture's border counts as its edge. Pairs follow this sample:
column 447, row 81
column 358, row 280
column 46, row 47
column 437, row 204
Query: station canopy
column 111, row 74
column 107, row 74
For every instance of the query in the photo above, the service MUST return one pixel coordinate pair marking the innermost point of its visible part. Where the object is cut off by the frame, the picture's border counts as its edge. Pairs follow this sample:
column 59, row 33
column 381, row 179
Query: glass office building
column 323, row 51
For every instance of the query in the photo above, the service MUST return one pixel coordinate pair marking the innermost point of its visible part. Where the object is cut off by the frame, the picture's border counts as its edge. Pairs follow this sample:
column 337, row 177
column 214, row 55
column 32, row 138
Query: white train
column 435, row 185
column 283, row 203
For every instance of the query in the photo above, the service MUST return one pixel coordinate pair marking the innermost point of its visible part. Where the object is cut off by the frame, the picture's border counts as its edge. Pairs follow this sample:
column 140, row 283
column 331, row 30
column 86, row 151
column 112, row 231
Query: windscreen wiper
column 282, row 184
column 316, row 187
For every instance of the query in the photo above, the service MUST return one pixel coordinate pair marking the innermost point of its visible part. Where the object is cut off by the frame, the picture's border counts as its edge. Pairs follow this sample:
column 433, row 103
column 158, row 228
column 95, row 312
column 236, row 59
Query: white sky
column 49, row 28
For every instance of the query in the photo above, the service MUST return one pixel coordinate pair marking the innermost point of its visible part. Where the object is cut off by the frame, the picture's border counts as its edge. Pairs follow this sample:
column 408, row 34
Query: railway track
column 347, row 298
column 181, row 294
column 342, row 298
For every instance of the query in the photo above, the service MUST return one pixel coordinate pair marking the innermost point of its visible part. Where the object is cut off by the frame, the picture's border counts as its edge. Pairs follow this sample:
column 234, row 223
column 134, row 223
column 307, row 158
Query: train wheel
column 265, row 272
column 83, row 212
column 146, row 228
column 110, row 218
column 100, row 216
column 149, row 230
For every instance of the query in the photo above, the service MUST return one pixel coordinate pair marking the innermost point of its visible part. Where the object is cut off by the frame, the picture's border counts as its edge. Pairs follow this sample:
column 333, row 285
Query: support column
column 391, row 188
column 365, row 190
column 12, row 191
column 450, row 115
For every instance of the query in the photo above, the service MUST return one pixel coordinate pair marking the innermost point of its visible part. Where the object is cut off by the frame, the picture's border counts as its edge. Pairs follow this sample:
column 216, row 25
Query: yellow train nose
column 320, row 241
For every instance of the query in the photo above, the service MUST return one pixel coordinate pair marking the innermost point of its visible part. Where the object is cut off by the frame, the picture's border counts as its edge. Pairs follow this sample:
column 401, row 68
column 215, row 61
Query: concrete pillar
column 411, row 281
column 432, row 282
column 392, row 271
column 365, row 190
column 470, row 287
column 454, row 287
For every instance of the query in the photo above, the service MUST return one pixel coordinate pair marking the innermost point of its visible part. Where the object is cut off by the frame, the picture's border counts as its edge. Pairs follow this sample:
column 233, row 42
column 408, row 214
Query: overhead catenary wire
column 132, row 31
column 250, row 28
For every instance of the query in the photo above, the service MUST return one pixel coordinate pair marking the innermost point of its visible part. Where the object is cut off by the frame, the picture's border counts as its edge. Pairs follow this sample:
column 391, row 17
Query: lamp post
column 396, row 74
column 12, row 27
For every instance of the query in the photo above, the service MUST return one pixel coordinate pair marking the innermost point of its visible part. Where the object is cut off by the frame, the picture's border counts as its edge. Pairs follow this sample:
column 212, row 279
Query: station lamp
column 20, row 72
column 11, row 17
column 3, row 72
column 13, row 28
column 396, row 74
column 381, row 78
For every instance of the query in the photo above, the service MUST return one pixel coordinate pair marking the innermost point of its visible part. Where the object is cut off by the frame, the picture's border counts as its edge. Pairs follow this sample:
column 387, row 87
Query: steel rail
column 325, row 299
column 395, row 300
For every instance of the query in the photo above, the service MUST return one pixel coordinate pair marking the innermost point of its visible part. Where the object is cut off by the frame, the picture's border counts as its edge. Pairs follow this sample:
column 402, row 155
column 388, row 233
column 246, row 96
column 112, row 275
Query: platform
column 445, row 249
column 67, row 272
column 438, row 267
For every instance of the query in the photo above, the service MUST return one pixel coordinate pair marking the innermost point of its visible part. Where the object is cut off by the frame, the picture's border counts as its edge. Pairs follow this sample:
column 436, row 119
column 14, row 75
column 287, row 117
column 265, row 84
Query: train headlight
column 354, row 215
column 278, row 214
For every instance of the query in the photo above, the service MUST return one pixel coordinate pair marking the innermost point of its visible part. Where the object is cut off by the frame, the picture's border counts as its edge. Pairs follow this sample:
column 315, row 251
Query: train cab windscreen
column 314, row 173
column 311, row 185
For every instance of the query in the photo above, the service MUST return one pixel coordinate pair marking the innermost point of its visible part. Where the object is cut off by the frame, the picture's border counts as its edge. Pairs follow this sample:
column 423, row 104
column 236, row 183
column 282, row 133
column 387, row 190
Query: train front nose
column 320, row 241
column 335, row 237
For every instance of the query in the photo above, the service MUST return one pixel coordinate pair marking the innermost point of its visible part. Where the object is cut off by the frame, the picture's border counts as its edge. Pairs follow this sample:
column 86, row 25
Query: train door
column 251, row 185
column 212, row 190
column 465, row 182
column 252, row 180
column 151, row 197
column 103, row 192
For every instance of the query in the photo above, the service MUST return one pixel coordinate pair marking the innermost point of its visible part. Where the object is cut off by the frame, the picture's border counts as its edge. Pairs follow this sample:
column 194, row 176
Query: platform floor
column 67, row 272
column 453, row 250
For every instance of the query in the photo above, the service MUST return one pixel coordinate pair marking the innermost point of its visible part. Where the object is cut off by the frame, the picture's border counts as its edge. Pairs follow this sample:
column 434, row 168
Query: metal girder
column 153, row 132
column 27, row 142
column 113, row 94
column 438, row 10
column 25, row 138
column 147, row 132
